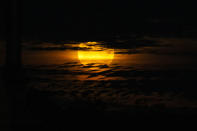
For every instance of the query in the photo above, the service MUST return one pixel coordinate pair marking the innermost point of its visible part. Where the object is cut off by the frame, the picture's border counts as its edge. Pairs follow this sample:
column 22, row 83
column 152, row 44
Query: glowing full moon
column 93, row 52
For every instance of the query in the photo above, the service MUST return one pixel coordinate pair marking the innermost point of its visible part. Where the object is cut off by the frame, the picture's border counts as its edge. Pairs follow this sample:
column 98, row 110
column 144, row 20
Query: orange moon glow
column 93, row 52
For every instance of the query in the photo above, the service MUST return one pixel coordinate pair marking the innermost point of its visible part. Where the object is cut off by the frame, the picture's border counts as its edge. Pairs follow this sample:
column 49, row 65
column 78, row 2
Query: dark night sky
column 94, row 17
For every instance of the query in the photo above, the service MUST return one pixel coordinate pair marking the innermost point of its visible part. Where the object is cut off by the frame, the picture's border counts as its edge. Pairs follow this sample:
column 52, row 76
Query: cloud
column 114, row 44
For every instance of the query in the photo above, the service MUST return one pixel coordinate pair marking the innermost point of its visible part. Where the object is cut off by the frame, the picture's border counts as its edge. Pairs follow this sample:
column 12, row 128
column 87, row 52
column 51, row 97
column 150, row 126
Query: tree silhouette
column 13, row 48
column 13, row 57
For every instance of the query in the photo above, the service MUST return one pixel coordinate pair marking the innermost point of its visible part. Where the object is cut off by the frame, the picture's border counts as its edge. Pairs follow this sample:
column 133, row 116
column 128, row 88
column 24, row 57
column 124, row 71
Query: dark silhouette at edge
column 13, row 72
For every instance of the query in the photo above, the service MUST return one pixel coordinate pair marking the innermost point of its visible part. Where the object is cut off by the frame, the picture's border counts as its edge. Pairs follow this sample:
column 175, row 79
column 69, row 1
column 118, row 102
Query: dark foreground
column 45, row 114
column 46, row 111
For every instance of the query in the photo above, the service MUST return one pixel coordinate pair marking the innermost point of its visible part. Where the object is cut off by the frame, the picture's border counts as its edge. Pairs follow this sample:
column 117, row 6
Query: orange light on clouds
column 93, row 52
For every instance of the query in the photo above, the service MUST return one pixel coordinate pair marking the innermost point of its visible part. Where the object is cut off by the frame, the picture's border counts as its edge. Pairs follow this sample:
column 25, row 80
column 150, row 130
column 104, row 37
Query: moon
column 94, row 52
